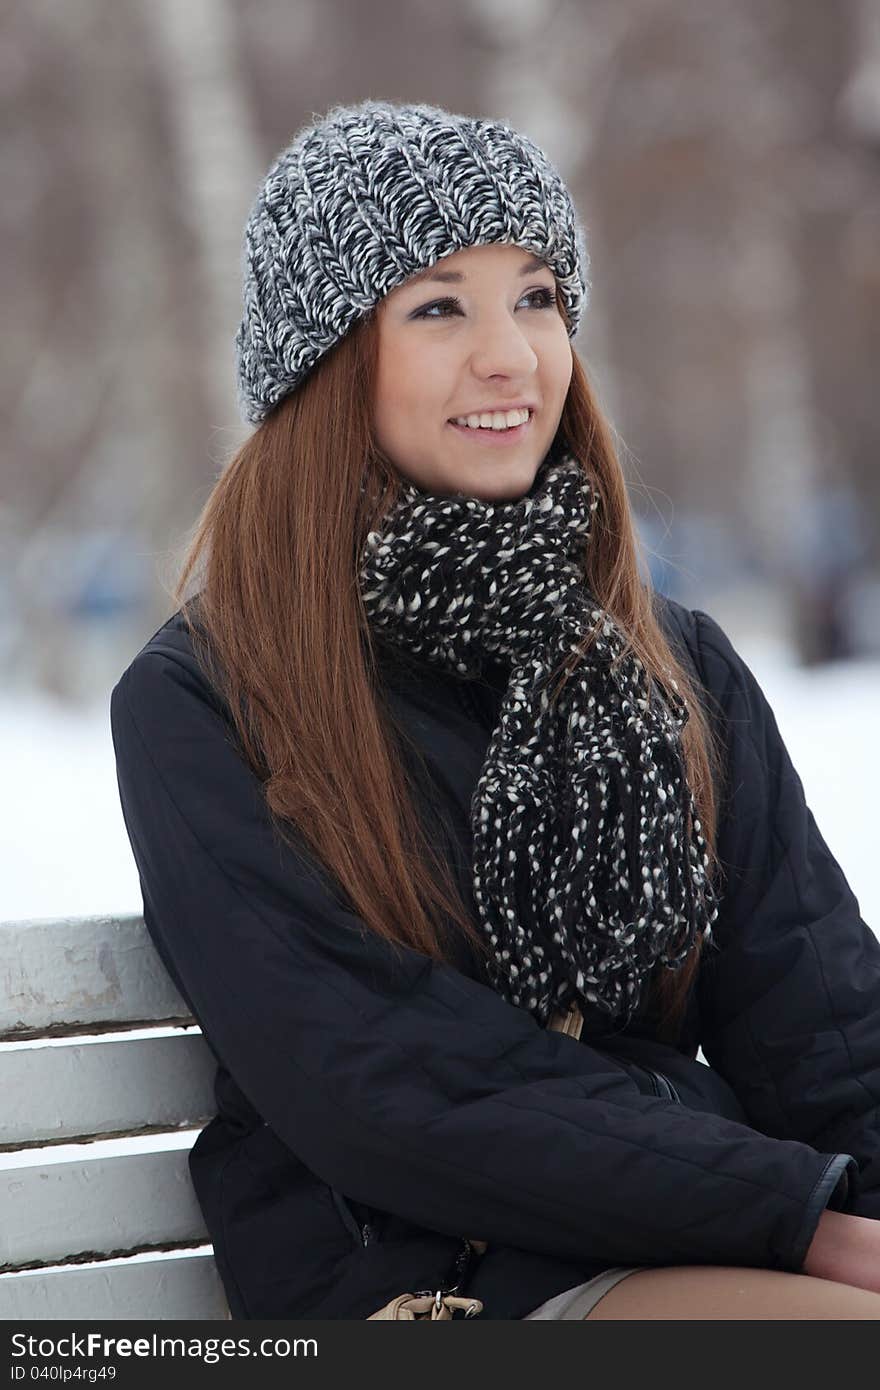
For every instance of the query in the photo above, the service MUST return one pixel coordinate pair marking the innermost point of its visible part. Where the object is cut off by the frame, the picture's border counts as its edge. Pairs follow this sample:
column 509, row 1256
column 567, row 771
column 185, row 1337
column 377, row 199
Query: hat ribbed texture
column 363, row 198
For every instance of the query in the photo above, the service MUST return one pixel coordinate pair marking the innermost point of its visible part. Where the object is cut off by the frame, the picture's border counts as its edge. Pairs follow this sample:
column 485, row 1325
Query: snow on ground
column 64, row 849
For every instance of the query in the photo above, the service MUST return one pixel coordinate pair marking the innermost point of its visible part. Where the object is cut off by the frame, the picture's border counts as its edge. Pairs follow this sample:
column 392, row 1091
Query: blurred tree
column 724, row 159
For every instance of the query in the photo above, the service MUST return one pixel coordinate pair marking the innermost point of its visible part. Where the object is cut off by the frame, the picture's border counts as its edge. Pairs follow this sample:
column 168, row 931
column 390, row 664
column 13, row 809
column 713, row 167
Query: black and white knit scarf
column 588, row 862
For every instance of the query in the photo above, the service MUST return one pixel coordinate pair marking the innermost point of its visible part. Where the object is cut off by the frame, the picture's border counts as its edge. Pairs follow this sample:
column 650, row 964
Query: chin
column 512, row 488
column 511, row 493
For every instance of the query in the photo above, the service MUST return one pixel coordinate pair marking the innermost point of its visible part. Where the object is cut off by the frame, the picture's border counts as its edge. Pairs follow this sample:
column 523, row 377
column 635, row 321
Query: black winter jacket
column 374, row 1109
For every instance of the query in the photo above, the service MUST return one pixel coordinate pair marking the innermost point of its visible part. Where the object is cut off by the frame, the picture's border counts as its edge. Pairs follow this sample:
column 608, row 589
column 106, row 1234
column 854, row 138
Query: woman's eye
column 547, row 299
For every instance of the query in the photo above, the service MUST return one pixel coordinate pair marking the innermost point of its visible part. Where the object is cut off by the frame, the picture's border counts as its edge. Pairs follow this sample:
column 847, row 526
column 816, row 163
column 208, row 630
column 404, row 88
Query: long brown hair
column 282, row 633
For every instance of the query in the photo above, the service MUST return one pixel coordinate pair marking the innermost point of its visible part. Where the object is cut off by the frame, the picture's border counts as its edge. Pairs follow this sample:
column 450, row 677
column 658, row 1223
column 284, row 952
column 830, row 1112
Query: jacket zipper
column 361, row 1233
column 461, row 1264
column 458, row 1271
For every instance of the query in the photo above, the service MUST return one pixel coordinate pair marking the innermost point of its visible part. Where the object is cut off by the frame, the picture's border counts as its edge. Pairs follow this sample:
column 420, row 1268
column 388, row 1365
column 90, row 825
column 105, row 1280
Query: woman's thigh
column 698, row 1292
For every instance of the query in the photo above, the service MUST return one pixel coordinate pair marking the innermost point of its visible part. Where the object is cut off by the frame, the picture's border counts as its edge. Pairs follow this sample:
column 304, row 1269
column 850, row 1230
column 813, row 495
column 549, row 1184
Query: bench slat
column 82, row 972
column 183, row 1288
column 101, row 1206
column 78, row 1090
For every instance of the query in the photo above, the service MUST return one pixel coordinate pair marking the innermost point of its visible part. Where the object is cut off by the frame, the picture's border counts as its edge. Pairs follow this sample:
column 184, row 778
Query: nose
column 500, row 348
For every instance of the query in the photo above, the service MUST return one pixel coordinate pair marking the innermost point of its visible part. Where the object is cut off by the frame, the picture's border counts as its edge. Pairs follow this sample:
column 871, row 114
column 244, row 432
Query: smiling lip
column 494, row 438
column 492, row 409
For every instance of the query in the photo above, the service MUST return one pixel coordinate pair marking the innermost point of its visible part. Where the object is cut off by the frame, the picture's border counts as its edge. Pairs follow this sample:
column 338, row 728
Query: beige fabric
column 569, row 1021
column 576, row 1303
column 436, row 1307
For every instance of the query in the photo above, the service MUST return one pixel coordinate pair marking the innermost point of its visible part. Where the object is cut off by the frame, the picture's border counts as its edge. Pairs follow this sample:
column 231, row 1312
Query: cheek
column 405, row 383
column 558, row 355
column 558, row 373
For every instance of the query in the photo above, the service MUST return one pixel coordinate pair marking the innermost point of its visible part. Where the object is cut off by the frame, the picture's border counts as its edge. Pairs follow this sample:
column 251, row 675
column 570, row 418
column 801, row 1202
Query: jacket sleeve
column 791, row 1002
column 400, row 1081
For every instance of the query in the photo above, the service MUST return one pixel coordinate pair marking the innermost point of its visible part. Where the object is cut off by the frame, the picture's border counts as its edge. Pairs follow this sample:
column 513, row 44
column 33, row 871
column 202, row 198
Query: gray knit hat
column 363, row 198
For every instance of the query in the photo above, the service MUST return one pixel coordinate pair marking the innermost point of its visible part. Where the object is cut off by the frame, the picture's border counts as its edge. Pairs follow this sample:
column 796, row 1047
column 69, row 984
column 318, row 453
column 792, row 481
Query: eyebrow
column 455, row 276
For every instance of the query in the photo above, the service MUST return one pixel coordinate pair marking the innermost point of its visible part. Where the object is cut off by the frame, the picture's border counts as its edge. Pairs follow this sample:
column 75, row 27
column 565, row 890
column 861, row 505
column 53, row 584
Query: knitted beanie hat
column 363, row 198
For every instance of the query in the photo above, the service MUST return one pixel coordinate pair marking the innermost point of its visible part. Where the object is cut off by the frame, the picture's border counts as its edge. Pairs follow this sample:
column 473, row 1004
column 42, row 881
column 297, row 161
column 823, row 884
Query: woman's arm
column 790, row 1005
column 401, row 1081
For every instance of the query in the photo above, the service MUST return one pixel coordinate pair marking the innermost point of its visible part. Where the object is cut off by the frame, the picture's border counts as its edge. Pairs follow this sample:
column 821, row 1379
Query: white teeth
column 498, row 420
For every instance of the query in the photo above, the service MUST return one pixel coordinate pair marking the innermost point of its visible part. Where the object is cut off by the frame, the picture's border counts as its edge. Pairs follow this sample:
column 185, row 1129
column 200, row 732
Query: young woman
column 458, row 840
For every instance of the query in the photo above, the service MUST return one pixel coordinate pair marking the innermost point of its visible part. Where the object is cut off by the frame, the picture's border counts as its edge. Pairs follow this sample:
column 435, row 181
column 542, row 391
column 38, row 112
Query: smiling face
column 480, row 331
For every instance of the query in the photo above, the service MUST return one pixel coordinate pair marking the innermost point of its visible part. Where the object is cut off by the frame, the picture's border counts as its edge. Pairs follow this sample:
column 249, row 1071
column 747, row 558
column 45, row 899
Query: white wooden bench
column 72, row 1232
